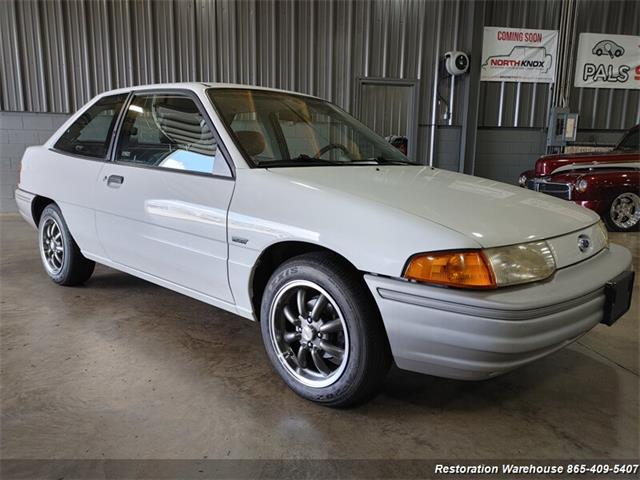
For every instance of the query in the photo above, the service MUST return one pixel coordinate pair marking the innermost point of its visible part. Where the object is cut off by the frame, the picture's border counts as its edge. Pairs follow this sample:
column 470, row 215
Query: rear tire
column 60, row 254
column 336, row 354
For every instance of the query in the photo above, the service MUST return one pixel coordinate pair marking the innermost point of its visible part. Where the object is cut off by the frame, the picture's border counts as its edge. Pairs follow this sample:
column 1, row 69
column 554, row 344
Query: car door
column 161, row 203
column 73, row 164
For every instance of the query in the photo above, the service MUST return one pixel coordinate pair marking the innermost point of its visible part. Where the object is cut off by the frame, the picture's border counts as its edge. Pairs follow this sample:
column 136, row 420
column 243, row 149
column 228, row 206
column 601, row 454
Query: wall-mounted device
column 456, row 63
column 563, row 127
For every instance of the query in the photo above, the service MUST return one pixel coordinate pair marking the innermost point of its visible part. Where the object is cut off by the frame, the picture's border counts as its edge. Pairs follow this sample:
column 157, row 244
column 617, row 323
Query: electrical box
column 563, row 127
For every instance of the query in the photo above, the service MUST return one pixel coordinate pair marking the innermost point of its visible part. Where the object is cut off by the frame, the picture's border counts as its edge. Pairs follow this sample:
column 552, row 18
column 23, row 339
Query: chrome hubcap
column 625, row 210
column 309, row 333
column 51, row 246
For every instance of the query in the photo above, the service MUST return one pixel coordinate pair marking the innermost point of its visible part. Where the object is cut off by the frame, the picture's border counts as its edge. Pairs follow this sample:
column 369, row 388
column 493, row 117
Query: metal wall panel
column 602, row 108
column 385, row 108
column 526, row 104
column 57, row 54
column 509, row 104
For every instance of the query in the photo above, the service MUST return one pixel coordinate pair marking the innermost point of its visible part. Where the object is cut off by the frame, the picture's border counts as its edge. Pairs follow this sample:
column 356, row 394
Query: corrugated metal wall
column 509, row 104
column 385, row 108
column 606, row 108
column 526, row 104
column 57, row 54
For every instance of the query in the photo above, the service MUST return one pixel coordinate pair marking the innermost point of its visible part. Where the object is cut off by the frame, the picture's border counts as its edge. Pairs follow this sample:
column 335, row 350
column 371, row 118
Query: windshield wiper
column 306, row 160
column 297, row 161
column 385, row 161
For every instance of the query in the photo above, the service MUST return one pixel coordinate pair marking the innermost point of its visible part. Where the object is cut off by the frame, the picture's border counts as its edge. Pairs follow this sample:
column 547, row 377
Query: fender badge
column 240, row 240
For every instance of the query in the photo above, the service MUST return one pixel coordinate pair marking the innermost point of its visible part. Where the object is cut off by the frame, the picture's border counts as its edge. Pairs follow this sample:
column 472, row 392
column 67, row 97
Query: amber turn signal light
column 455, row 269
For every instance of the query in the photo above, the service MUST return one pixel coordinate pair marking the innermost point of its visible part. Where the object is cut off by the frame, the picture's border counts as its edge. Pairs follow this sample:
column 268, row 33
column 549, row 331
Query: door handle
column 115, row 180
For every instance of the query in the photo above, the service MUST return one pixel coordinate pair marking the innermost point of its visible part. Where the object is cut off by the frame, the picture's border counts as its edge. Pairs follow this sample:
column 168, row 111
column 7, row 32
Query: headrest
column 252, row 142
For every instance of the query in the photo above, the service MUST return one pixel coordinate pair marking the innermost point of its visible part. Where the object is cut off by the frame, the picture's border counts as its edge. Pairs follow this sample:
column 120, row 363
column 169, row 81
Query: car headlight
column 581, row 185
column 489, row 268
column 604, row 232
column 522, row 180
column 524, row 263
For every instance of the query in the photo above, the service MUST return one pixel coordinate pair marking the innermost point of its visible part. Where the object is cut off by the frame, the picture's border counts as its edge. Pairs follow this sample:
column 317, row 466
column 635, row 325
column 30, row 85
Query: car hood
column 489, row 212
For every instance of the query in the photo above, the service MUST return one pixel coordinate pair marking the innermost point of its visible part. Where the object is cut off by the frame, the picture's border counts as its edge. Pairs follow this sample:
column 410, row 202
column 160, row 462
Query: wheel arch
column 275, row 255
column 38, row 205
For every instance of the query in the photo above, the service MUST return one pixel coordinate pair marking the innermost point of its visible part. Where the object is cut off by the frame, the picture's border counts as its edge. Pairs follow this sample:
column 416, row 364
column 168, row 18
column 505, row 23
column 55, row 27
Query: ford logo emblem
column 584, row 242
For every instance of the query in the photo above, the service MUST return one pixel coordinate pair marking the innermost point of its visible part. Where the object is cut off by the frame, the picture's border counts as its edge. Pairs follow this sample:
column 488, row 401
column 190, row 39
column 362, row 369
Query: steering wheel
column 332, row 146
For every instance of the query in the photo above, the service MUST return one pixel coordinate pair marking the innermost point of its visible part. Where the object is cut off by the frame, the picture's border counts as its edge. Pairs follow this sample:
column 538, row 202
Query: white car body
column 204, row 235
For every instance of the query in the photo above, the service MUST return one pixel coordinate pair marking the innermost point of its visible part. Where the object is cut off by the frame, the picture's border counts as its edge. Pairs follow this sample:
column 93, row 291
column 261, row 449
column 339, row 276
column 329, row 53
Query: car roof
column 198, row 86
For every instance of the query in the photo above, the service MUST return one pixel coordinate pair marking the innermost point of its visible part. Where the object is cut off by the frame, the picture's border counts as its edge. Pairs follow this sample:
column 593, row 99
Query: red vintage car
column 606, row 182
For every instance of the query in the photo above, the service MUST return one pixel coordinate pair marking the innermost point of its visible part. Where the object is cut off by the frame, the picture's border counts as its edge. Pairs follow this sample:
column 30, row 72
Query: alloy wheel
column 52, row 246
column 309, row 333
column 625, row 210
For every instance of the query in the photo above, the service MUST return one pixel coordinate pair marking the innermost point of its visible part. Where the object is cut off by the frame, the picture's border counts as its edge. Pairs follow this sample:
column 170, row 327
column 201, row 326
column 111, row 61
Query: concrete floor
column 122, row 368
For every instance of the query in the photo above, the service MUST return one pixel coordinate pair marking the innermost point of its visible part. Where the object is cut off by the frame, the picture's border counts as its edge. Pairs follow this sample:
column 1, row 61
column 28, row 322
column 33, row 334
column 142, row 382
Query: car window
column 169, row 131
column 630, row 142
column 90, row 134
column 278, row 129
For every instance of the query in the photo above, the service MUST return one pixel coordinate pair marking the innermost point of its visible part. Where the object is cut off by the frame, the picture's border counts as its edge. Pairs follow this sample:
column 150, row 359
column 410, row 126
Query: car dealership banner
column 608, row 61
column 519, row 55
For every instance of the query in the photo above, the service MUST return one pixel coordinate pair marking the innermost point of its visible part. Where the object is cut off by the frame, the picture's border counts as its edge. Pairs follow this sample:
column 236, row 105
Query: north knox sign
column 518, row 55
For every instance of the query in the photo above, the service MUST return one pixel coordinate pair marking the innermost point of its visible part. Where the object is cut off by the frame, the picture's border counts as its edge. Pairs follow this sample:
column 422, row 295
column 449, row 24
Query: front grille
column 560, row 190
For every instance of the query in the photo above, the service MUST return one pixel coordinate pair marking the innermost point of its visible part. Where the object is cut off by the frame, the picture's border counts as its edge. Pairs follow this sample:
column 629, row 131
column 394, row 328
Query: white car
column 282, row 208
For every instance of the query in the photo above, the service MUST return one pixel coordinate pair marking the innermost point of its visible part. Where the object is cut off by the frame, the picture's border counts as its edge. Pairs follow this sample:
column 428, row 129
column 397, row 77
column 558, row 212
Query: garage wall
column 508, row 104
column 57, row 55
column 18, row 130
column 526, row 105
column 504, row 153
column 606, row 108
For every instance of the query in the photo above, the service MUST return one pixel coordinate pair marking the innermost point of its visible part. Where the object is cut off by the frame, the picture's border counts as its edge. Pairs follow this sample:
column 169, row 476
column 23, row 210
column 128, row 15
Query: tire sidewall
column 609, row 221
column 53, row 212
column 355, row 325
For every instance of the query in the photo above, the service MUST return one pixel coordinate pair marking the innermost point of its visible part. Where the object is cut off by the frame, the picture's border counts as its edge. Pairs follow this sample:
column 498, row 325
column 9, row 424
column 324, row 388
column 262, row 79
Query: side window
column 168, row 131
column 90, row 134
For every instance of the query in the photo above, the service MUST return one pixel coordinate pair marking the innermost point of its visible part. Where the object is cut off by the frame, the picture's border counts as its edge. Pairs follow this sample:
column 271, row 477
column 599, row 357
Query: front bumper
column 473, row 335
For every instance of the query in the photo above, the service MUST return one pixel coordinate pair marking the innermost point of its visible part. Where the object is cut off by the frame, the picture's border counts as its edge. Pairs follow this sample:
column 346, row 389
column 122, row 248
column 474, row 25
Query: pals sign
column 608, row 61
column 518, row 55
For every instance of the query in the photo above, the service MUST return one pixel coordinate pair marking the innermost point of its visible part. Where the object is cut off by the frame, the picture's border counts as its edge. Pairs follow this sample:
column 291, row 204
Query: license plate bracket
column 617, row 293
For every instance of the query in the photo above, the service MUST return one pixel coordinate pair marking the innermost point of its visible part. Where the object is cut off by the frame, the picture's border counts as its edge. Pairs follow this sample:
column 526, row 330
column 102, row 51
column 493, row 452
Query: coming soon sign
column 608, row 61
column 519, row 55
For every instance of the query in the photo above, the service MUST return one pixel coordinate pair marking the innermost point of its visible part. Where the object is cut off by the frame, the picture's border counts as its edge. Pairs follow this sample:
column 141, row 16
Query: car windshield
column 630, row 141
column 277, row 129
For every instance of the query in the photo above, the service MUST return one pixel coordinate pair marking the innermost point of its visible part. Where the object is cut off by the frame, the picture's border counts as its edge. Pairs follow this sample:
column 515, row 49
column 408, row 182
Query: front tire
column 322, row 331
column 60, row 254
column 623, row 214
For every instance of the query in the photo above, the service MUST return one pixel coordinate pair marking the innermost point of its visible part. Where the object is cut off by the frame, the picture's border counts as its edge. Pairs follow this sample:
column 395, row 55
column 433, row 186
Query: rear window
column 89, row 135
